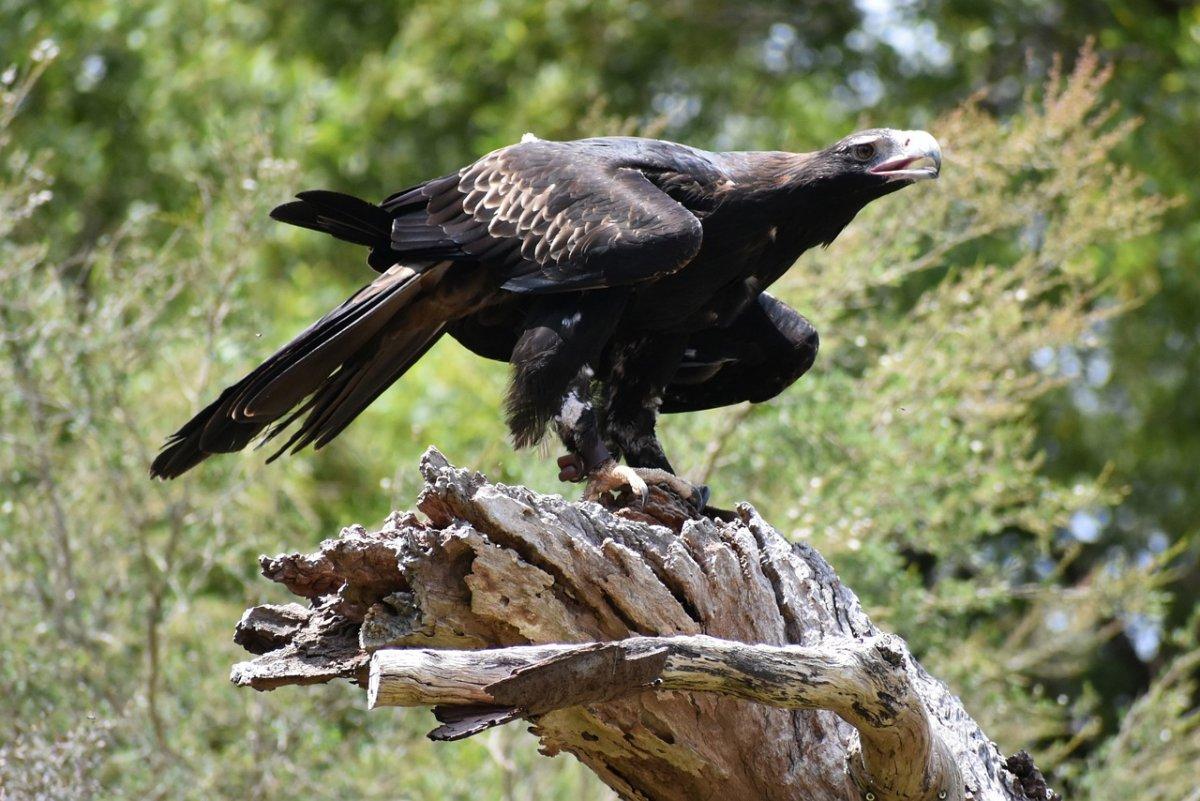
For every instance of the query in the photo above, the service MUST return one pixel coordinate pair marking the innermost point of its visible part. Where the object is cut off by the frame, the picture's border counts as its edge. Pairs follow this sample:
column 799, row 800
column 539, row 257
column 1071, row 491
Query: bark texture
column 678, row 656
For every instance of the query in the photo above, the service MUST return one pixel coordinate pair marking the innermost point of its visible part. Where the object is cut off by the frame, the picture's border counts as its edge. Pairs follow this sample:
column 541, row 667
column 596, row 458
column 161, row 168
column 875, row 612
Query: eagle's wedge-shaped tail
column 324, row 377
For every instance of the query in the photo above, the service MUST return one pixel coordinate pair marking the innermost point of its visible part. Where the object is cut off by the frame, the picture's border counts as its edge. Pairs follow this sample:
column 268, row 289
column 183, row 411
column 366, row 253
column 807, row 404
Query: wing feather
column 574, row 215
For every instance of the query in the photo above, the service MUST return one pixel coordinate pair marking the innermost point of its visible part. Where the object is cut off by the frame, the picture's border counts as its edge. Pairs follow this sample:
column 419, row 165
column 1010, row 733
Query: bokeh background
column 998, row 447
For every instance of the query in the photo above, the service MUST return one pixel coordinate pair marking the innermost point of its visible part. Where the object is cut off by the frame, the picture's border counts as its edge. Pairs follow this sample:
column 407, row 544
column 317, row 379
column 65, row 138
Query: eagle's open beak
column 919, row 158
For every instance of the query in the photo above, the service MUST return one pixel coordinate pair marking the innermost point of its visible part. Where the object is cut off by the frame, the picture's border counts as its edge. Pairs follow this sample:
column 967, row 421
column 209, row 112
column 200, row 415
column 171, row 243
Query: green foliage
column 942, row 453
column 1158, row 742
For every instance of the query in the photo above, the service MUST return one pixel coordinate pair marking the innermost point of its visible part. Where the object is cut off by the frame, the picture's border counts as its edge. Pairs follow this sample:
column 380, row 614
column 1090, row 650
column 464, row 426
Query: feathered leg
column 579, row 430
column 553, row 365
column 639, row 372
column 587, row 455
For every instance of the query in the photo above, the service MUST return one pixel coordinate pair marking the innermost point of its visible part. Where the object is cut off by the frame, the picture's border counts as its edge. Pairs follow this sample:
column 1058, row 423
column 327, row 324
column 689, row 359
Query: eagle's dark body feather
column 616, row 274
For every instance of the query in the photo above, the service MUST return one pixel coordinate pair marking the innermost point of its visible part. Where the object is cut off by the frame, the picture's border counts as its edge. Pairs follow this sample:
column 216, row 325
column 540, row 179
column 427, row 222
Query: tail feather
column 394, row 233
column 331, row 371
column 384, row 370
column 344, row 216
column 324, row 346
column 182, row 450
column 356, row 385
column 337, row 366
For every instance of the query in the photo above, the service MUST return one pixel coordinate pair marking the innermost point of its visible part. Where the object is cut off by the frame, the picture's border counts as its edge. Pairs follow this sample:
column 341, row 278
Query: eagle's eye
column 863, row 152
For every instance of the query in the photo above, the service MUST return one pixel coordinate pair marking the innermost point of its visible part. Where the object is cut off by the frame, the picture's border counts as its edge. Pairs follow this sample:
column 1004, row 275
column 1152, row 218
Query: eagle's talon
column 688, row 492
column 611, row 476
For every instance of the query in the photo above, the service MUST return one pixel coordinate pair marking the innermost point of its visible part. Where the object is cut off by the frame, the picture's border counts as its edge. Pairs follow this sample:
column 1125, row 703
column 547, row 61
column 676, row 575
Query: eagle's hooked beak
column 919, row 158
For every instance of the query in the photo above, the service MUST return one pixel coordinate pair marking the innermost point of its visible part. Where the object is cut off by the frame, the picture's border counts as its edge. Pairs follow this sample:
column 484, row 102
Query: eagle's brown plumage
column 616, row 274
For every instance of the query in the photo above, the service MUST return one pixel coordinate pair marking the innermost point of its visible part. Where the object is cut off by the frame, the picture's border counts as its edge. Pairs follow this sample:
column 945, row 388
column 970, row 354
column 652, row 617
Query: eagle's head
column 878, row 161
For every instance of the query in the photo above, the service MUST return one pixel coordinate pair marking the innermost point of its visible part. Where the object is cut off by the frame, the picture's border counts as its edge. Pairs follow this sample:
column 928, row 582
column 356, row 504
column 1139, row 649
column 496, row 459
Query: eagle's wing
column 555, row 218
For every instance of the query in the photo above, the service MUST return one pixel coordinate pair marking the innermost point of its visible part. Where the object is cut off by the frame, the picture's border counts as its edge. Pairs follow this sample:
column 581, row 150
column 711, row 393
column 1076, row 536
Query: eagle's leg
column 587, row 455
column 562, row 339
column 579, row 431
column 638, row 374
column 760, row 354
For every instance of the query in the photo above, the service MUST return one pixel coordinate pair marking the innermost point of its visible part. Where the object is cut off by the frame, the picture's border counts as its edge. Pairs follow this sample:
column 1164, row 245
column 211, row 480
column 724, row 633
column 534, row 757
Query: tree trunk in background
column 679, row 657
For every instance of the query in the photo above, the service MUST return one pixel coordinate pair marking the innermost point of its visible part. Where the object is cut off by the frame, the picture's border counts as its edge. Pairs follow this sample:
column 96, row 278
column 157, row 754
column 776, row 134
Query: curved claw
column 693, row 493
column 612, row 476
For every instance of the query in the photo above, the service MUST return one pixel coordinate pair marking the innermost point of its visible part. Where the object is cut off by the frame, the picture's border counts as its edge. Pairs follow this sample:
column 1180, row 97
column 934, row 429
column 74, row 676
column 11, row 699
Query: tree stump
column 679, row 656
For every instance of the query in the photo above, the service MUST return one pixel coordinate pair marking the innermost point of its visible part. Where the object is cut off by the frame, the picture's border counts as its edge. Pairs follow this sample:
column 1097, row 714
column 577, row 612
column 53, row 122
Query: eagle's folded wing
column 555, row 219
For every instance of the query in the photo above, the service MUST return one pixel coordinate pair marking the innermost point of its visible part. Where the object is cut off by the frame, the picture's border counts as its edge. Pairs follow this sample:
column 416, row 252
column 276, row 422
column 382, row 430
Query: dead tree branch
column 679, row 657
column 864, row 682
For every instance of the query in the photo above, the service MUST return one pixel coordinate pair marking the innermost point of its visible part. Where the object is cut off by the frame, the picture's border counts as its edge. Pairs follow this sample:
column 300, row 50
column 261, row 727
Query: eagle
column 620, row 277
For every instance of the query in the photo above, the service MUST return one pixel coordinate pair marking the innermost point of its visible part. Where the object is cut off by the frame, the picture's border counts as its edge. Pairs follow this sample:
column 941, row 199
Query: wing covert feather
column 557, row 218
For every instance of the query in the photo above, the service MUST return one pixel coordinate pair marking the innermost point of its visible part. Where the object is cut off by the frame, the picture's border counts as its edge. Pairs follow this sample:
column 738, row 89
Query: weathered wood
column 701, row 659
column 865, row 682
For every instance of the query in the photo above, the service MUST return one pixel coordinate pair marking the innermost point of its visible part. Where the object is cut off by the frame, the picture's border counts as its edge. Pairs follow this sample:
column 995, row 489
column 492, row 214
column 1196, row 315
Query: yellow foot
column 610, row 477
